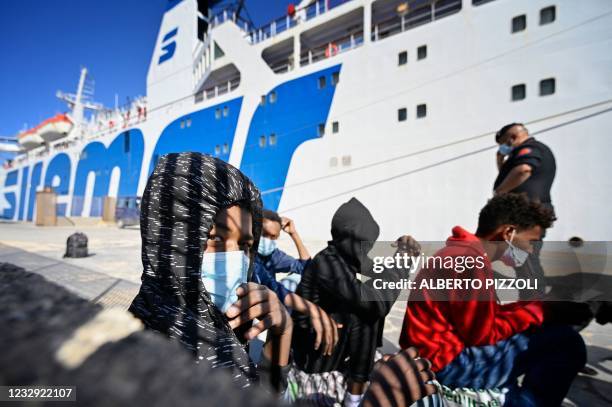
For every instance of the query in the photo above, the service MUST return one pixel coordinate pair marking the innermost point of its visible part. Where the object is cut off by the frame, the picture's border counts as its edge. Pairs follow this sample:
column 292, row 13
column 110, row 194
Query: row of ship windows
column 272, row 139
column 547, row 16
column 221, row 148
column 547, row 87
column 321, row 84
column 402, row 57
column 402, row 112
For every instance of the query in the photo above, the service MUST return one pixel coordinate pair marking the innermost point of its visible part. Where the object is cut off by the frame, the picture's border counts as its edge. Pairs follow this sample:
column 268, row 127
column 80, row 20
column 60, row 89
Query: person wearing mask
column 473, row 340
column 527, row 166
column 270, row 260
column 200, row 226
column 331, row 282
column 200, row 223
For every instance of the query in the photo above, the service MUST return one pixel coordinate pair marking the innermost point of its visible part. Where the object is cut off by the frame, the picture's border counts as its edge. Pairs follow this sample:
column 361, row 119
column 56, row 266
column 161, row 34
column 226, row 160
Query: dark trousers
column 357, row 342
column 549, row 357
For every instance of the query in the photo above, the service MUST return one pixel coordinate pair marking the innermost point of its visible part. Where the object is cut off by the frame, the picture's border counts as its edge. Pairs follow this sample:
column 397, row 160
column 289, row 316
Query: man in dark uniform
column 527, row 166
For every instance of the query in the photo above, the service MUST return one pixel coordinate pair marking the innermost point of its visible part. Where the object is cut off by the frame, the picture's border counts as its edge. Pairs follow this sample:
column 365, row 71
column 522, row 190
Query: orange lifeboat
column 50, row 130
column 55, row 128
column 29, row 139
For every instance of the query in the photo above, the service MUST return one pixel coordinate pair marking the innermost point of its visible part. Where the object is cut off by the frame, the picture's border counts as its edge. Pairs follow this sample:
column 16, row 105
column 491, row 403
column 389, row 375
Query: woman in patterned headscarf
column 193, row 206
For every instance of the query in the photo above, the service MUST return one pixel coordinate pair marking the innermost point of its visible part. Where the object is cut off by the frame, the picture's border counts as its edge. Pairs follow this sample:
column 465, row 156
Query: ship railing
column 282, row 24
column 332, row 48
column 217, row 90
column 414, row 18
column 282, row 67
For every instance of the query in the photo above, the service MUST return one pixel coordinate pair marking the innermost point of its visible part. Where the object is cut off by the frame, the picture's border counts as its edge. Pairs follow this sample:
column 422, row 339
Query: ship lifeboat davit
column 50, row 130
column 54, row 128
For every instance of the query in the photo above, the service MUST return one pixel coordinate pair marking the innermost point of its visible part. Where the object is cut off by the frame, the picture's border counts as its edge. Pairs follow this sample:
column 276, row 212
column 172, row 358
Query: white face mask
column 505, row 149
column 513, row 256
column 266, row 246
column 222, row 273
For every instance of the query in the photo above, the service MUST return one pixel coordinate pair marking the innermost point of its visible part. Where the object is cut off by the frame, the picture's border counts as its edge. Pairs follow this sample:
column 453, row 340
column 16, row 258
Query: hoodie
column 442, row 329
column 330, row 280
column 179, row 204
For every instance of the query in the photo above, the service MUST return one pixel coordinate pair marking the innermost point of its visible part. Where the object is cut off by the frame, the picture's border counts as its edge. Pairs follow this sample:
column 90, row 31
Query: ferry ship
column 394, row 102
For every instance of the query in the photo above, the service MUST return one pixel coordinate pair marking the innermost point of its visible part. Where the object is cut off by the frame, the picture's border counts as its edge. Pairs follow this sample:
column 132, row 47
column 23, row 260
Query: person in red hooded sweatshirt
column 474, row 341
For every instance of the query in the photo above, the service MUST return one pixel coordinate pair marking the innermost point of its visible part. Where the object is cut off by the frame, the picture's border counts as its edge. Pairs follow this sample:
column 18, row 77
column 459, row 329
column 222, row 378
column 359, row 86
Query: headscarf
column 181, row 200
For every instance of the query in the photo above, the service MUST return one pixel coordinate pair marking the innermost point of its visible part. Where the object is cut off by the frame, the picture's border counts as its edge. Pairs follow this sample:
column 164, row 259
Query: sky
column 44, row 44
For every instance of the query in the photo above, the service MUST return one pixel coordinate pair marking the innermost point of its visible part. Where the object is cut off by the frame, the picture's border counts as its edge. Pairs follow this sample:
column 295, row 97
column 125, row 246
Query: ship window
column 402, row 114
column 225, row 148
column 402, row 58
column 519, row 92
column 188, row 122
column 346, row 160
column 273, row 97
column 547, row 86
column 421, row 111
column 519, row 23
column 225, row 111
column 321, row 130
column 333, row 162
column 335, row 127
column 548, row 15
column 262, row 102
column 335, row 78
column 217, row 149
column 422, row 52
column 217, row 113
column 262, row 141
column 321, row 82
column 182, row 124
column 272, row 139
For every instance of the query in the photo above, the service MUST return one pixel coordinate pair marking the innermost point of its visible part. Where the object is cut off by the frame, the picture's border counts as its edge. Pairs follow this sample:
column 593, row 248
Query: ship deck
column 111, row 276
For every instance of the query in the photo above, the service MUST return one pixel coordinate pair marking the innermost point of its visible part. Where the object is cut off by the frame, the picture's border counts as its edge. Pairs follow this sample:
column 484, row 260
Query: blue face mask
column 514, row 256
column 505, row 149
column 266, row 246
column 222, row 273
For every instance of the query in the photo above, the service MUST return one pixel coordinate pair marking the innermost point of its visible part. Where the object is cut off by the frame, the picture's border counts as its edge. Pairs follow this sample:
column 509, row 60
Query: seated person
column 473, row 340
column 201, row 216
column 331, row 282
column 271, row 259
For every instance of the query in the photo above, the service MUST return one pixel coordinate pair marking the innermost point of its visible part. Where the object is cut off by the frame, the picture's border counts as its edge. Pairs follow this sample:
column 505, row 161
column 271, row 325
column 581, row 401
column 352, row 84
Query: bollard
column 76, row 245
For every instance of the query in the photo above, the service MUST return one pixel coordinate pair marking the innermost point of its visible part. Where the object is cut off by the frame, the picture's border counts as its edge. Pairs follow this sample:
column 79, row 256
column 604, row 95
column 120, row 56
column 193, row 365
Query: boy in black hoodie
column 331, row 282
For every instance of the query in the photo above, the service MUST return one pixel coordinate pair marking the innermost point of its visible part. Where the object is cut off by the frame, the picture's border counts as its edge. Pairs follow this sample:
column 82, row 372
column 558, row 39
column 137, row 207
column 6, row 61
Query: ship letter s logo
column 168, row 48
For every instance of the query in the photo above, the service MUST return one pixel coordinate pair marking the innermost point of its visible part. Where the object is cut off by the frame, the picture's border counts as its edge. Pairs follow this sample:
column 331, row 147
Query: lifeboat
column 29, row 139
column 50, row 130
column 54, row 128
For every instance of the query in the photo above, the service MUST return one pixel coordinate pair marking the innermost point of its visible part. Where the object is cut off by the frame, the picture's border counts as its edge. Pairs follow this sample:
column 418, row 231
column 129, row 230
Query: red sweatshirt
column 442, row 329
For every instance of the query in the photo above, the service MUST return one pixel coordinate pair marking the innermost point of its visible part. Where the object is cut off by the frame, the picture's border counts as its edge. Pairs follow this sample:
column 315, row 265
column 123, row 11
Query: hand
column 288, row 225
column 407, row 244
column 400, row 380
column 325, row 327
column 257, row 301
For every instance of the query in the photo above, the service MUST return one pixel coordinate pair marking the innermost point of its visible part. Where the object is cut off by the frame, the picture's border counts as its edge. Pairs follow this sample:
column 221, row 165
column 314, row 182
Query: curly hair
column 513, row 209
column 271, row 215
